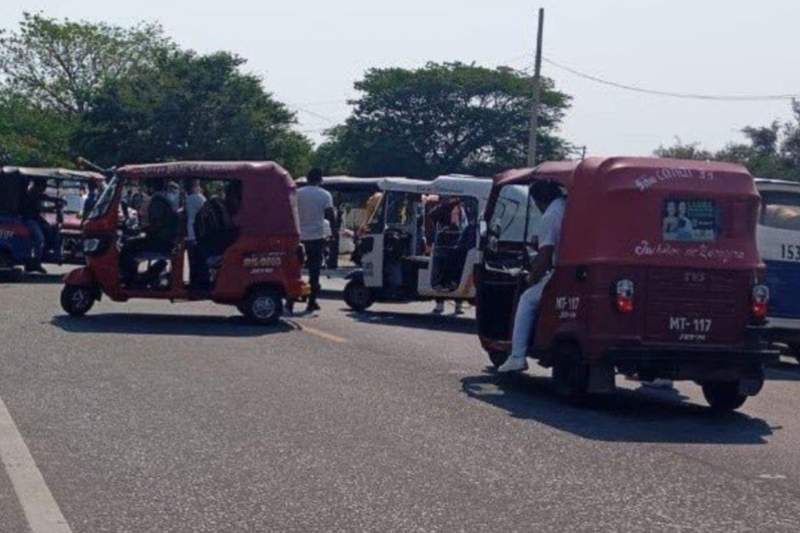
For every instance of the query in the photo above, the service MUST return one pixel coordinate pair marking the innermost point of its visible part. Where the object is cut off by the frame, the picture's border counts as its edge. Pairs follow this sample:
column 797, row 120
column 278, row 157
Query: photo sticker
column 690, row 220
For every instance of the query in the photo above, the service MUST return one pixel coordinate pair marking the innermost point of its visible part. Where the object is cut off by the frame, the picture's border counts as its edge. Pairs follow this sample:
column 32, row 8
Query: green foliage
column 31, row 135
column 60, row 65
column 120, row 95
column 442, row 118
column 770, row 151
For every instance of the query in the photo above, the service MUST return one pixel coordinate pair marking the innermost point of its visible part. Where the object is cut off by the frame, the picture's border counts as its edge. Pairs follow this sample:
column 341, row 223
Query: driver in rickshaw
column 550, row 200
column 41, row 233
column 160, row 234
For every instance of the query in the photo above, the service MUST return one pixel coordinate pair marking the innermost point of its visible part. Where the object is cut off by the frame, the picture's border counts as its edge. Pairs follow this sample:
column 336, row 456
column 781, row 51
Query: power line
column 692, row 96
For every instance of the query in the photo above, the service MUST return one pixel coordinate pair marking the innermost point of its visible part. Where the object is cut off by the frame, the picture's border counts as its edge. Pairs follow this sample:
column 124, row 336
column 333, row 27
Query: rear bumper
column 698, row 363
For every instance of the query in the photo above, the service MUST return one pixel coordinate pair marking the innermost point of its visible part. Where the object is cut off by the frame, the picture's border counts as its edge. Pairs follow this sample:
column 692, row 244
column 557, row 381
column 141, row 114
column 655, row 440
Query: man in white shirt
column 314, row 205
column 551, row 201
column 194, row 201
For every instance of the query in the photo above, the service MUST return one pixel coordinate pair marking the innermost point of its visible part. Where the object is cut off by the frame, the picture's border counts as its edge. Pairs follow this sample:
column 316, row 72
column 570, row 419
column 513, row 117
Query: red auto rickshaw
column 658, row 276
column 257, row 271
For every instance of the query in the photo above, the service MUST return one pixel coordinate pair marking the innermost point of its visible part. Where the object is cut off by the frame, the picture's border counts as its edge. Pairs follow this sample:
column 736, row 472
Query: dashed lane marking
column 40, row 508
column 321, row 334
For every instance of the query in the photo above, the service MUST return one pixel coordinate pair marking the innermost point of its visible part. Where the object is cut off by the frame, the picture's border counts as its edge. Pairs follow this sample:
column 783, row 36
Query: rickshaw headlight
column 760, row 302
column 623, row 296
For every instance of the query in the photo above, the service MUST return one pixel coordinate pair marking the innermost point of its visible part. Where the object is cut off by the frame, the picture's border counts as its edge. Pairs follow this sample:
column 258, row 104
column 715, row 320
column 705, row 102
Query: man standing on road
column 550, row 201
column 314, row 204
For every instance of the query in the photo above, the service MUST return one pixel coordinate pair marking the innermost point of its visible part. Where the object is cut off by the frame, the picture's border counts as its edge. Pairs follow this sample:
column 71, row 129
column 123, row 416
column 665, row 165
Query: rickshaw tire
column 498, row 357
column 571, row 374
column 260, row 300
column 357, row 304
column 75, row 303
column 723, row 396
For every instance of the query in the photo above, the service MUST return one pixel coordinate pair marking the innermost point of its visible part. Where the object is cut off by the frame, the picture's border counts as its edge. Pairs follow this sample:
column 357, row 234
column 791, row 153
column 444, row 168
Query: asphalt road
column 157, row 417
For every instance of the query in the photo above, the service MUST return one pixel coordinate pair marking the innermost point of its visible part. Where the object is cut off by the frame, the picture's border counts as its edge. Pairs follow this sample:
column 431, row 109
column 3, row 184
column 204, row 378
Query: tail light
column 760, row 303
column 301, row 254
column 623, row 296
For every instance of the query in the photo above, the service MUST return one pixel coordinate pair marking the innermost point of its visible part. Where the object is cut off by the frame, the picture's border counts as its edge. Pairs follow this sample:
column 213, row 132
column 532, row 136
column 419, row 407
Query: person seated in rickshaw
column 160, row 233
column 214, row 232
column 42, row 234
column 551, row 201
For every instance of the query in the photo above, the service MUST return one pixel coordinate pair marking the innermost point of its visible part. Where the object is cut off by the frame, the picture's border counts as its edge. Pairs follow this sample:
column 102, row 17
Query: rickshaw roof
column 54, row 173
column 345, row 183
column 781, row 183
column 452, row 185
column 261, row 172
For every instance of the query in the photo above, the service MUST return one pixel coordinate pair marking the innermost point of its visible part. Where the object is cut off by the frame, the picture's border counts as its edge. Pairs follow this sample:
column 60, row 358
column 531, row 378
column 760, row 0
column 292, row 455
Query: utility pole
column 537, row 93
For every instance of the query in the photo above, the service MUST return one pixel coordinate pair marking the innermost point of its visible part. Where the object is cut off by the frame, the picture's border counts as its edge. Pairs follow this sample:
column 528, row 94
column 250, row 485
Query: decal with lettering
column 663, row 175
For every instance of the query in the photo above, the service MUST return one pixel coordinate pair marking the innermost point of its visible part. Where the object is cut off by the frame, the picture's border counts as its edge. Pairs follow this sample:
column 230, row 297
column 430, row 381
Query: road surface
column 161, row 417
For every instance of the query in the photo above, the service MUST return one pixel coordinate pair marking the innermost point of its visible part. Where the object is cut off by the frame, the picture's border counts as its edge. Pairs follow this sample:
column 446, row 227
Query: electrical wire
column 691, row 96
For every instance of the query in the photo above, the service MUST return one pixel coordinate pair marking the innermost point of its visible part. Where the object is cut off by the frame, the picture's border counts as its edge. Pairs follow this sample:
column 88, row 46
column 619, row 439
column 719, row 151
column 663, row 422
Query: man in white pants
column 551, row 201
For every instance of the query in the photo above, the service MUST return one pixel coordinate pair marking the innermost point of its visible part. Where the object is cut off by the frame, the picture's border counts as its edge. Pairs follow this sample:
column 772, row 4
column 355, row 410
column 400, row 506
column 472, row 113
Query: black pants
column 134, row 247
column 314, row 265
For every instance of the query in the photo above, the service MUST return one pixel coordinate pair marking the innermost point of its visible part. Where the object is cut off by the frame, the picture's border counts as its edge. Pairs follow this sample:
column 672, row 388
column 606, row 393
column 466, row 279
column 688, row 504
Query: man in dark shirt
column 41, row 233
column 160, row 233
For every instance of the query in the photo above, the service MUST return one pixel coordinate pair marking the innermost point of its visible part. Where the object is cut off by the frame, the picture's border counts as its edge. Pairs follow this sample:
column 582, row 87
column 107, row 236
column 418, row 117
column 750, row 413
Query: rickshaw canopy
column 14, row 182
column 268, row 202
column 616, row 209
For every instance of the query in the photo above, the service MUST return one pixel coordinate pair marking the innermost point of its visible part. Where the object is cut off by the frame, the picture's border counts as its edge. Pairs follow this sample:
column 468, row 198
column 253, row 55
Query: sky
column 310, row 52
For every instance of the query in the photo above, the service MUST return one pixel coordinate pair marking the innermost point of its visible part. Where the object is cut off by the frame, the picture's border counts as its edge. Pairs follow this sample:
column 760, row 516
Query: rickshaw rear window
column 690, row 220
column 780, row 210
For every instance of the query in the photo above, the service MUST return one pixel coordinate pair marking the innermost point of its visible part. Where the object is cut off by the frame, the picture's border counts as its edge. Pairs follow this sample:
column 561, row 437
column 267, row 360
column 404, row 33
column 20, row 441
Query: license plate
column 691, row 329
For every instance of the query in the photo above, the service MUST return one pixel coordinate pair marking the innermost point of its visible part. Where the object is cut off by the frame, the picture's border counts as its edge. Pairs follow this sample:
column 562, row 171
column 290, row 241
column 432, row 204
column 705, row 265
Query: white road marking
column 38, row 504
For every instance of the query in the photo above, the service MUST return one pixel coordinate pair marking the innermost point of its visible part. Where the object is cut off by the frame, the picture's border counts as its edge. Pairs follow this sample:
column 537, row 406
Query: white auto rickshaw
column 421, row 242
column 779, row 245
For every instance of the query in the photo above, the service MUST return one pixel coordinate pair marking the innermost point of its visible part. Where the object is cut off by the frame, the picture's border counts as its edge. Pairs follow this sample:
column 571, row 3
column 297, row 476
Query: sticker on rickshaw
column 6, row 234
column 722, row 255
column 790, row 252
column 567, row 307
column 672, row 174
column 272, row 259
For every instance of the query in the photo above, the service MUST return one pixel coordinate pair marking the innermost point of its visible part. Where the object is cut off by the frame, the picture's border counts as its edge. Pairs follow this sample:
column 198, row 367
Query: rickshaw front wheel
column 358, row 296
column 77, row 300
column 263, row 306
column 723, row 396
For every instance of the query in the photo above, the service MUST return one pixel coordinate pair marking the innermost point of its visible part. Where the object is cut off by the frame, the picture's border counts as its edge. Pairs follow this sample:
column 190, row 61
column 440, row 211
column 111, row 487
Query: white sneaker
column 659, row 383
column 513, row 364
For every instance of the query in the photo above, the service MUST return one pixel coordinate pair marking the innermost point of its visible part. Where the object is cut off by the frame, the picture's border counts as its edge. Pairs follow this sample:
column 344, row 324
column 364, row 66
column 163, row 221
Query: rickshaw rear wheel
column 723, row 396
column 498, row 357
column 571, row 374
column 358, row 296
column 263, row 306
column 77, row 300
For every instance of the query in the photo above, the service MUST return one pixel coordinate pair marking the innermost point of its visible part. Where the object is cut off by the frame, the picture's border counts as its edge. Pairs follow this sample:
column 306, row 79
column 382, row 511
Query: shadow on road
column 783, row 371
column 455, row 324
column 152, row 324
column 626, row 416
column 30, row 279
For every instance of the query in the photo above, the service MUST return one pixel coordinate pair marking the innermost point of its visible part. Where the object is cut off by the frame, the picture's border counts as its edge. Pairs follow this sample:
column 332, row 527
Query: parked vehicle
column 16, row 246
column 409, row 252
column 256, row 268
column 779, row 244
column 658, row 276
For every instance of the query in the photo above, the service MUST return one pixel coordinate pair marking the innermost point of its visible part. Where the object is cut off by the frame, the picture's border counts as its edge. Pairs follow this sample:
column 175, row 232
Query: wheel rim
column 264, row 307
column 80, row 299
column 360, row 296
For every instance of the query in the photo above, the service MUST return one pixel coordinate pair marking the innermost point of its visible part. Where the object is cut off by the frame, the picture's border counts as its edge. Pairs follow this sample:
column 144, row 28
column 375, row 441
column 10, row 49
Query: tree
column 189, row 106
column 771, row 151
column 31, row 135
column 442, row 118
column 60, row 65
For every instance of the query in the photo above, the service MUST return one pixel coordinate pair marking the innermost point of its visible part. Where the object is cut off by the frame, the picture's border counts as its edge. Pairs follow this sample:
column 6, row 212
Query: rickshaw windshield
column 780, row 210
column 104, row 202
column 515, row 215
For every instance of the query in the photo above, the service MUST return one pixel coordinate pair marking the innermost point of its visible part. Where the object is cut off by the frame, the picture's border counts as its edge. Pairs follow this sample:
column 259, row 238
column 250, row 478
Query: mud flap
column 601, row 379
